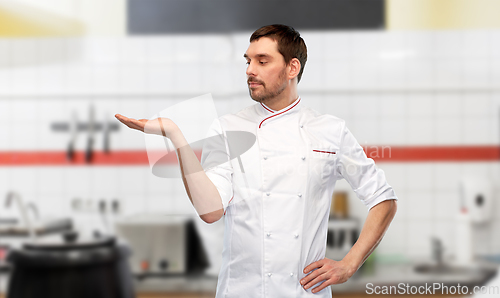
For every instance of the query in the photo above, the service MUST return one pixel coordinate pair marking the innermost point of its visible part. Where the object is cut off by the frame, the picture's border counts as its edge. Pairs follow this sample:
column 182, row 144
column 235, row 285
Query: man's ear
column 294, row 68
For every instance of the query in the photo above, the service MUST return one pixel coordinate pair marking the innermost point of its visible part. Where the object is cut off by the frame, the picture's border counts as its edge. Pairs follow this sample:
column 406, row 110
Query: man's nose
column 251, row 70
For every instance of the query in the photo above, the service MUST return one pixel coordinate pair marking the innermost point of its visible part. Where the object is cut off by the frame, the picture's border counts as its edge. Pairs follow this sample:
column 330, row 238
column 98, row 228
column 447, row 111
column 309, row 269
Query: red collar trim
column 280, row 112
column 266, row 108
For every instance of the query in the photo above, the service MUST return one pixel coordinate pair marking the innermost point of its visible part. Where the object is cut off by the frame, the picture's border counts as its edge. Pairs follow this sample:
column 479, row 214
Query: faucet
column 34, row 209
column 22, row 209
column 437, row 251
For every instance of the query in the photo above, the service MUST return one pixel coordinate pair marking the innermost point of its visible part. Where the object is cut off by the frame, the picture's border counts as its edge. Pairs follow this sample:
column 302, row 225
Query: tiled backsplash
column 392, row 88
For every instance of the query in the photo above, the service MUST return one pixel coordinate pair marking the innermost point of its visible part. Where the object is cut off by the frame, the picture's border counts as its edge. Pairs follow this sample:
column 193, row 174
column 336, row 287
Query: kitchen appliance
column 477, row 197
column 76, row 268
column 162, row 245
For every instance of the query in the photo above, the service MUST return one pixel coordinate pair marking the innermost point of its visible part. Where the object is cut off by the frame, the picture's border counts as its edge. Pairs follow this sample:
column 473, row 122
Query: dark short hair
column 290, row 44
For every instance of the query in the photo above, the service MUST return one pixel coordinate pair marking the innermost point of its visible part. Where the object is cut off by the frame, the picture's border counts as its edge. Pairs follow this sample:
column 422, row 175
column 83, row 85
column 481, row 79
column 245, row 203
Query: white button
column 268, row 194
column 296, row 235
column 268, row 234
column 269, row 274
column 265, row 157
column 301, row 126
column 299, row 194
column 303, row 157
column 291, row 273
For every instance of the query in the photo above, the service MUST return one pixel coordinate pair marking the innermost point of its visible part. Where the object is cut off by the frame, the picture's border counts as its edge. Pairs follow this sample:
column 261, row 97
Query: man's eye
column 262, row 62
column 248, row 62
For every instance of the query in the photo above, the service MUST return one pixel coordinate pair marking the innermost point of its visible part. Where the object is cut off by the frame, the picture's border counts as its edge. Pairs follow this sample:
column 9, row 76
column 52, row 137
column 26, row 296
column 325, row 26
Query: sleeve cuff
column 388, row 194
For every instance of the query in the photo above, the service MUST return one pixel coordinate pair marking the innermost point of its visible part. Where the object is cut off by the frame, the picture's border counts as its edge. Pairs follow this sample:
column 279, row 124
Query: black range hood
column 223, row 16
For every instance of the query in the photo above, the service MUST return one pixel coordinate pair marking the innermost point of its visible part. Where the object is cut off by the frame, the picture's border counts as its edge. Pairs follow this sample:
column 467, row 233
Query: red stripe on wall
column 433, row 153
column 59, row 158
column 140, row 157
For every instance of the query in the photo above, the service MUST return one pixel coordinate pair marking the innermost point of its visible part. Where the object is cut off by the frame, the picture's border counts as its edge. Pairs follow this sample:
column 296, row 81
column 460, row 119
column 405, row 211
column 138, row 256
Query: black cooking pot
column 95, row 268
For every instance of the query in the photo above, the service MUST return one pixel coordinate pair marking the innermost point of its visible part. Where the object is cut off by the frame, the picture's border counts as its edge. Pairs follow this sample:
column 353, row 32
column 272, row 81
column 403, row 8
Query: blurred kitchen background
column 417, row 81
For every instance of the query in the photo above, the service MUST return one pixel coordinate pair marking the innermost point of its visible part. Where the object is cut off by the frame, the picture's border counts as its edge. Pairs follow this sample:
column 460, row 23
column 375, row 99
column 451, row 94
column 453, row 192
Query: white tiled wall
column 393, row 88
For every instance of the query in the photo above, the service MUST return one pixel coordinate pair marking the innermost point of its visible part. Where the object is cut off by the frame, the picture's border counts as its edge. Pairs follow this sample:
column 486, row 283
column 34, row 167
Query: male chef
column 275, row 198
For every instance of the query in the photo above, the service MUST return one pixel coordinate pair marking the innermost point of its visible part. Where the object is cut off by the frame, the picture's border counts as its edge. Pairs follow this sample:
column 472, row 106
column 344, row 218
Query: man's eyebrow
column 263, row 55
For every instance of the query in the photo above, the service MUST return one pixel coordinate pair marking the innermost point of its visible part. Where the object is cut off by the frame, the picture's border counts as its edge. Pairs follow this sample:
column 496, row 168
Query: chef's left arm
column 371, row 187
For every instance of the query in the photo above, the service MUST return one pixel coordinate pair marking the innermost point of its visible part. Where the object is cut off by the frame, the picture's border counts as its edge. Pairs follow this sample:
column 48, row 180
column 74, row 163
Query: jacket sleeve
column 216, row 162
column 365, row 178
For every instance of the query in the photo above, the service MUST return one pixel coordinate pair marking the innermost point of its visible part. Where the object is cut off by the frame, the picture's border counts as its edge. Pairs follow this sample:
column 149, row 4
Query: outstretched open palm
column 159, row 126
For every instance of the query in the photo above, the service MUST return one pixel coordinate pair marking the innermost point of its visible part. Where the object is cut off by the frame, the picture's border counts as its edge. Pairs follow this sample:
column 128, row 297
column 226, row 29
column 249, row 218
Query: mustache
column 254, row 81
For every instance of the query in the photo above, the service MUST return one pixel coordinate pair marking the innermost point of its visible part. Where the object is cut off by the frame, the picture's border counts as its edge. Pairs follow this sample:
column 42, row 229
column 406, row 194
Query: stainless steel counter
column 189, row 284
column 393, row 275
column 40, row 228
column 383, row 275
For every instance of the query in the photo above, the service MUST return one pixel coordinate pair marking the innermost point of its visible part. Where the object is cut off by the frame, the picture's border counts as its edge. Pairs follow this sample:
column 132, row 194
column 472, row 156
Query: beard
column 266, row 94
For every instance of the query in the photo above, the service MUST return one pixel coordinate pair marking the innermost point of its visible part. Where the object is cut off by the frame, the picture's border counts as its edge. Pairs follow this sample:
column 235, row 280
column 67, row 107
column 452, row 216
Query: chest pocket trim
column 323, row 151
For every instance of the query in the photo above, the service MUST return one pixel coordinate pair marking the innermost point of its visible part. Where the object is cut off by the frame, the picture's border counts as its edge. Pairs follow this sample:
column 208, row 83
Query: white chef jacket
column 277, row 200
